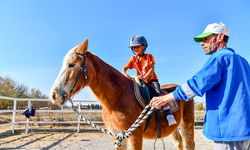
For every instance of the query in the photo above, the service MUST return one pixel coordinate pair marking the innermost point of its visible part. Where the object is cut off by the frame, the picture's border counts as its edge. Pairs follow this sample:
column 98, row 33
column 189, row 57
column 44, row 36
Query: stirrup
column 169, row 116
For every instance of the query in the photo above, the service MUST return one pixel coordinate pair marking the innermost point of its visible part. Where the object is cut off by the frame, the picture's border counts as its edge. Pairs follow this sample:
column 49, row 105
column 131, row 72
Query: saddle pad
column 138, row 96
column 173, row 105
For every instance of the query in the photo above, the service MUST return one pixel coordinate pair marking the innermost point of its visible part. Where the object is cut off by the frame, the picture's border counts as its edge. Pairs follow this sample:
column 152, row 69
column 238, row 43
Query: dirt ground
column 84, row 141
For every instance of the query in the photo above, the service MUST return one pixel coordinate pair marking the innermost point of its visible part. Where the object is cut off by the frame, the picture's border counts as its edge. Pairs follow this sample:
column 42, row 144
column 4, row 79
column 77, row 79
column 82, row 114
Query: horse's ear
column 83, row 47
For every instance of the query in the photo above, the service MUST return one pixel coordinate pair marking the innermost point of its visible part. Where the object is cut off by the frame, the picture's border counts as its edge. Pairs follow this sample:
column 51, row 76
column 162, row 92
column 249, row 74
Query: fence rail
column 14, row 111
column 27, row 123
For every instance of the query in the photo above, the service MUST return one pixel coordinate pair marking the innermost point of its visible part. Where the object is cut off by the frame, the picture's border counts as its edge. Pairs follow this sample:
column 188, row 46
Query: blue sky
column 35, row 35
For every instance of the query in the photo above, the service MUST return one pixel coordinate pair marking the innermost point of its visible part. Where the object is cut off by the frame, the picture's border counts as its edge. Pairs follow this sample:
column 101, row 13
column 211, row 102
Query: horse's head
column 73, row 74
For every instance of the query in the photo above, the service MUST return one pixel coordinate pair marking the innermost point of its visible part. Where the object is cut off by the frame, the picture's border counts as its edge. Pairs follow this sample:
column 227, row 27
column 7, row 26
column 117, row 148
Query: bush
column 200, row 107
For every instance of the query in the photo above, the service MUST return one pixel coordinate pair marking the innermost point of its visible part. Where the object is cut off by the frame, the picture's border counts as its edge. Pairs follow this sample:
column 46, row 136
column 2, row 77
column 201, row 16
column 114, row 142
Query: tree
column 10, row 88
column 199, row 107
column 21, row 91
column 35, row 93
column 7, row 87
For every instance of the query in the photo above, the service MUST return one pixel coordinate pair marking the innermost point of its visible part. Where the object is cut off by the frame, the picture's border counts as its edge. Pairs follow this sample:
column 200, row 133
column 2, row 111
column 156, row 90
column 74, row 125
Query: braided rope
column 141, row 118
column 89, row 122
column 124, row 134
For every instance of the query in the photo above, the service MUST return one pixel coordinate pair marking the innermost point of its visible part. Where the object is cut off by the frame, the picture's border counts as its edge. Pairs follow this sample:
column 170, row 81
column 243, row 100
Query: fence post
column 14, row 117
column 79, row 118
column 27, row 120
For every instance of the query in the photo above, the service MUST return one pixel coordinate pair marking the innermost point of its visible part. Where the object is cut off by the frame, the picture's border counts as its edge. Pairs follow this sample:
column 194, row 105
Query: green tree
column 21, row 91
column 10, row 88
column 7, row 87
column 200, row 107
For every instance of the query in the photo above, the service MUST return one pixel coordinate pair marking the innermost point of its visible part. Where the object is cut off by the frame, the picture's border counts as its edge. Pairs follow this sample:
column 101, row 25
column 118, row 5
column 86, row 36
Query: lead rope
column 124, row 134
column 89, row 122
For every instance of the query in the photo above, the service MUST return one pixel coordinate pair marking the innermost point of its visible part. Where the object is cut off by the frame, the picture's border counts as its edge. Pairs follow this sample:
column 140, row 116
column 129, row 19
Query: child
column 144, row 65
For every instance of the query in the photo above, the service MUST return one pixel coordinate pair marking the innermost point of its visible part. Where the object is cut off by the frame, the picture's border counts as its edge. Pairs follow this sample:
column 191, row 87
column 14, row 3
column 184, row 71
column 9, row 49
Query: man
column 225, row 78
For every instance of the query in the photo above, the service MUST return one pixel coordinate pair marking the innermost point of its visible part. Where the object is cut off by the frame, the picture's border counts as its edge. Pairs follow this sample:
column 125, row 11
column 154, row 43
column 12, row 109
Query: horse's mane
column 96, row 60
column 107, row 69
column 109, row 79
column 66, row 57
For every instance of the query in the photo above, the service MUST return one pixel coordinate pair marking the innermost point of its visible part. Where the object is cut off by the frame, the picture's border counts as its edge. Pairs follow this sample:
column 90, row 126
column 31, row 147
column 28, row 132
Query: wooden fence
column 27, row 122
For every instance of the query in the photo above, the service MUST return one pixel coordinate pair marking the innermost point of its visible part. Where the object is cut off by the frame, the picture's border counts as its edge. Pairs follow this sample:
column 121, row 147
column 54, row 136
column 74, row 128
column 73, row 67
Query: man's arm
column 202, row 81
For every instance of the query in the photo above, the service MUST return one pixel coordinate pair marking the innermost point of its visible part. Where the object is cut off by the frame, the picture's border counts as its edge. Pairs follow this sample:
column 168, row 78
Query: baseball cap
column 213, row 28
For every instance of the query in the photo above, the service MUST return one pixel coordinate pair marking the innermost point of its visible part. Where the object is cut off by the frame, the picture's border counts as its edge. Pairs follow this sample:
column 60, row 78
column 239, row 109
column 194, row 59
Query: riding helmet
column 138, row 40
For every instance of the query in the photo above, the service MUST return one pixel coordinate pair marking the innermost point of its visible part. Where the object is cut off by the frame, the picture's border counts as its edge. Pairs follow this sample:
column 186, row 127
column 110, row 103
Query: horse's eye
column 71, row 65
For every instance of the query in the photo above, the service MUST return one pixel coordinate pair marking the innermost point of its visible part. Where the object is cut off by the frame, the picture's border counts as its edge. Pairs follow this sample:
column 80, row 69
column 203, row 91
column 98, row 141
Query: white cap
column 213, row 28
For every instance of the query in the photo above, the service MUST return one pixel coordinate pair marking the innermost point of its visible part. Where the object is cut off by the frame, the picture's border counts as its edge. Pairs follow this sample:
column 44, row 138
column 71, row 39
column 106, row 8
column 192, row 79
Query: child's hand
column 126, row 75
column 140, row 77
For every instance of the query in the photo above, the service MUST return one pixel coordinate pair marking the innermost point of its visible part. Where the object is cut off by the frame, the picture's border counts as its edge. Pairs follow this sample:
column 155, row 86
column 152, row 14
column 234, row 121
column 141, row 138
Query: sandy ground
column 84, row 141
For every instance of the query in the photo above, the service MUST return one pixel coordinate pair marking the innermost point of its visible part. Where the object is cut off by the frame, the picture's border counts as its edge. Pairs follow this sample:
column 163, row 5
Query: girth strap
column 158, row 115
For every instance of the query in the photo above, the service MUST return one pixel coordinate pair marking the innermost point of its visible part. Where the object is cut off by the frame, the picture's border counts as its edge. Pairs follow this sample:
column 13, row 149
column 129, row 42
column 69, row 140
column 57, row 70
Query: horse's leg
column 188, row 125
column 177, row 139
column 113, row 128
column 136, row 140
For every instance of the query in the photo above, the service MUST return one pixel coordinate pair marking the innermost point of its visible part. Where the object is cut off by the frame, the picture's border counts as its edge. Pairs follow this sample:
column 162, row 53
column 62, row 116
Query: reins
column 123, row 134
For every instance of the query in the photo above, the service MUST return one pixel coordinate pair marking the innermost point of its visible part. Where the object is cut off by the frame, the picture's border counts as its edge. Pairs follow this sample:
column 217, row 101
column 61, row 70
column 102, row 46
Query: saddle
column 144, row 93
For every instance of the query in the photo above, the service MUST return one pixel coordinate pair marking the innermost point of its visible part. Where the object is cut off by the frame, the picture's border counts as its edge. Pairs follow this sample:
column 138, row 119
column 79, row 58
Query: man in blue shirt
column 225, row 78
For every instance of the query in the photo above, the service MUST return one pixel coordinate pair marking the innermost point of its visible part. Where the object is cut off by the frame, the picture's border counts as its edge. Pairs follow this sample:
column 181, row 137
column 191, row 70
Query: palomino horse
column 115, row 92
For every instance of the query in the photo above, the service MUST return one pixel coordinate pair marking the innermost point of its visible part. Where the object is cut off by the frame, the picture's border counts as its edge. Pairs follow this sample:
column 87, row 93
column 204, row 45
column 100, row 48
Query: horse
column 115, row 93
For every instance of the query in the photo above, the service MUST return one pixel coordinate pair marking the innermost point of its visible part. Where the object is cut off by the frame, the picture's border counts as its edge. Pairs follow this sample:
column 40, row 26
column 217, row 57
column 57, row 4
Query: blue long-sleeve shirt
column 225, row 79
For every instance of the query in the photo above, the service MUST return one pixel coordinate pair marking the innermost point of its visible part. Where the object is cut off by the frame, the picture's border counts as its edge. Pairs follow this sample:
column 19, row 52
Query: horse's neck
column 107, row 84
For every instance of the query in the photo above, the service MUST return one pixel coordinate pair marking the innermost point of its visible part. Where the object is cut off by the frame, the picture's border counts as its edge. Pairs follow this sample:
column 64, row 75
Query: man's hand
column 159, row 101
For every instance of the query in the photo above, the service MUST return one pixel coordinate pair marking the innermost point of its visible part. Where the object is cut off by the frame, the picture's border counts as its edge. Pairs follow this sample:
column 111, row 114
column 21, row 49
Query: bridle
column 81, row 69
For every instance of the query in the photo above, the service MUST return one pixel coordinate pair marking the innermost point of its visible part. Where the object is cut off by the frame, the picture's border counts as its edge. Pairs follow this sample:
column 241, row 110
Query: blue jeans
column 155, row 84
column 237, row 145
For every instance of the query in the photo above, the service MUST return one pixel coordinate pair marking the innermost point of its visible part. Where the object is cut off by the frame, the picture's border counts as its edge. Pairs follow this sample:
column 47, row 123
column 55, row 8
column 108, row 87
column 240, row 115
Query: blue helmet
column 138, row 40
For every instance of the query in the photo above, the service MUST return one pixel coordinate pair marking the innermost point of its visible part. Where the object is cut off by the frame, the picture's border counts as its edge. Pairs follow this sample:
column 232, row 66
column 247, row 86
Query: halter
column 81, row 68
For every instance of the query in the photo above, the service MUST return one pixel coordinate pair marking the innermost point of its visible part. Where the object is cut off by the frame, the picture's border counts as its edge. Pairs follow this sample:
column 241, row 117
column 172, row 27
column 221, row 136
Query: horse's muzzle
column 59, row 97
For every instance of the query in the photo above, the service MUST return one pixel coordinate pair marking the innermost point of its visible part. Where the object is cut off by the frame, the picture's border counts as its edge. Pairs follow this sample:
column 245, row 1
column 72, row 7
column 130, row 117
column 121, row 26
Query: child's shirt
column 143, row 65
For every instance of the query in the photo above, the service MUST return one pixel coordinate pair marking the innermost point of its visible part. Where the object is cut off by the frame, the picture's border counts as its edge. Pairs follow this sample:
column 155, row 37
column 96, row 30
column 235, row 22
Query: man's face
column 209, row 44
